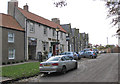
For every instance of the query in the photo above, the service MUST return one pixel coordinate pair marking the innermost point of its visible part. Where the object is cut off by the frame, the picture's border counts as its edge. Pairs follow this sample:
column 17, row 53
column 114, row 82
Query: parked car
column 72, row 54
column 50, row 55
column 82, row 53
column 90, row 54
column 60, row 63
column 79, row 56
column 96, row 51
column 88, row 49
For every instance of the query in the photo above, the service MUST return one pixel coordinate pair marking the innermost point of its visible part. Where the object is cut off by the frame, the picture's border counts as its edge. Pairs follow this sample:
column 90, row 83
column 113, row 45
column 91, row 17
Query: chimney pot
column 56, row 20
column 26, row 7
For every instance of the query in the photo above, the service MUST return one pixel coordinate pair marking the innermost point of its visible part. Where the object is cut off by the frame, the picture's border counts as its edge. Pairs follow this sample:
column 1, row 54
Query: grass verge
column 22, row 70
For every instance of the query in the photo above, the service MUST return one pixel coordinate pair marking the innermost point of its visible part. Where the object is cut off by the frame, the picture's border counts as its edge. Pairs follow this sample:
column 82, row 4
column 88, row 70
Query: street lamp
column 57, row 30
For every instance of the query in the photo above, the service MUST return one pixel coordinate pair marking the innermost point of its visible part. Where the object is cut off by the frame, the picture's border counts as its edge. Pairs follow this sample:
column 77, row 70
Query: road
column 102, row 69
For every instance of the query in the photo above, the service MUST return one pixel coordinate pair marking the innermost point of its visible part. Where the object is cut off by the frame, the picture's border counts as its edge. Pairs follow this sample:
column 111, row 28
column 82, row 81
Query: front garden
column 20, row 70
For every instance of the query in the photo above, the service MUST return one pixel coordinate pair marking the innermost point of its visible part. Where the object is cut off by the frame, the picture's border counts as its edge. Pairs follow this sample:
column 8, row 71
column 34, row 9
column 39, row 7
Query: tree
column 113, row 10
column 60, row 3
column 112, row 5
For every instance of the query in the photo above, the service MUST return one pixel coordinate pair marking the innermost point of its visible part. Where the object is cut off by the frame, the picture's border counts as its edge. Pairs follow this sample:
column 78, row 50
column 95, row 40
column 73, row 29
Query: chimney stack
column 56, row 20
column 26, row 7
column 11, row 7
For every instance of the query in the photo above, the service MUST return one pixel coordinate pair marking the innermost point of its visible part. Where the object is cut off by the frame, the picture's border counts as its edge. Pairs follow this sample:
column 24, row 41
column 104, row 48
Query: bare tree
column 113, row 10
column 60, row 3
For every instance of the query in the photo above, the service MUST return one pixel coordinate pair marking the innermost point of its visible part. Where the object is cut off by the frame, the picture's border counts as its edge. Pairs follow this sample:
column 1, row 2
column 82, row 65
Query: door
column 54, row 50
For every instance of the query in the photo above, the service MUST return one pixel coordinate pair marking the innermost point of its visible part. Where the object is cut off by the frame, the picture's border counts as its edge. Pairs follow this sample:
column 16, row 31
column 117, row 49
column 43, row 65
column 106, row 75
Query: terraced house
column 40, row 33
column 11, row 40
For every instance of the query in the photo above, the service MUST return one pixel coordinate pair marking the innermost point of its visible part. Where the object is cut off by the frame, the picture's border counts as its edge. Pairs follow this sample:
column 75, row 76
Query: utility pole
column 107, row 40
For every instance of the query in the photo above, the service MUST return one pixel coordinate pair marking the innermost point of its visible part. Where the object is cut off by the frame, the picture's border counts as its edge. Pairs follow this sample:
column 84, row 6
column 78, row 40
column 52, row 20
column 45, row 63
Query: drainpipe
column 26, row 41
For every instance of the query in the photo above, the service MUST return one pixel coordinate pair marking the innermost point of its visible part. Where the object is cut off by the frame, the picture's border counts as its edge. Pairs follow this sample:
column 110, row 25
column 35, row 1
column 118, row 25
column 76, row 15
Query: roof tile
column 9, row 22
column 40, row 19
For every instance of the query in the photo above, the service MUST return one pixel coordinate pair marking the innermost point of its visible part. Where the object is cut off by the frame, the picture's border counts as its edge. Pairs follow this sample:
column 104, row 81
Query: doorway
column 31, row 52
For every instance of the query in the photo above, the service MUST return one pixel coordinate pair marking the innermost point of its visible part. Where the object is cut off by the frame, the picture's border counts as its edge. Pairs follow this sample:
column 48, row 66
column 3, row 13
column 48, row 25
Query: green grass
column 22, row 70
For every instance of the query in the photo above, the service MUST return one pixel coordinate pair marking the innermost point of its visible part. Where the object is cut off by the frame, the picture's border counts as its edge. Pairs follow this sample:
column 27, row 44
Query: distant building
column 40, row 33
column 76, row 41
column 68, row 29
column 84, row 40
column 11, row 40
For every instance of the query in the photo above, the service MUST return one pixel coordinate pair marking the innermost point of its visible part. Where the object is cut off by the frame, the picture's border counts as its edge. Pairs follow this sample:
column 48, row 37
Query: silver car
column 60, row 63
column 90, row 54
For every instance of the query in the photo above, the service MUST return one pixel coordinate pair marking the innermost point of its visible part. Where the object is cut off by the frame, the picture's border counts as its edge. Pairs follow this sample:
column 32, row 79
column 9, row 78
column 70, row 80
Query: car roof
column 59, row 55
column 89, row 51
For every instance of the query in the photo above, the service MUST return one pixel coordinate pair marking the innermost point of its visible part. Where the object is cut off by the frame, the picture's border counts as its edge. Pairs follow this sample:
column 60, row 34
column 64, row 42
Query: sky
column 88, row 16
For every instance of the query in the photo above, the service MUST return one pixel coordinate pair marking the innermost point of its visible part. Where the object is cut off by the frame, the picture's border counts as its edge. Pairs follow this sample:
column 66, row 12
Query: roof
column 9, row 22
column 40, row 19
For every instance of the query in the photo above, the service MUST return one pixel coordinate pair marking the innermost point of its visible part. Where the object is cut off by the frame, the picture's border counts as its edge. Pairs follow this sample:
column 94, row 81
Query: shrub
column 17, row 61
column 3, row 63
column 8, row 62
column 13, row 62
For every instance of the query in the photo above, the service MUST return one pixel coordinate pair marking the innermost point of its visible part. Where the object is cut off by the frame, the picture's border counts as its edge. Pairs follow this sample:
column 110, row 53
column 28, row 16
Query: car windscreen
column 53, row 59
column 68, row 53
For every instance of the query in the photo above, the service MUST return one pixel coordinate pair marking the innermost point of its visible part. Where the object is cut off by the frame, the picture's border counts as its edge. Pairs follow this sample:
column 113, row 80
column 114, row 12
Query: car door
column 64, row 62
column 72, row 63
column 68, row 62
column 85, row 54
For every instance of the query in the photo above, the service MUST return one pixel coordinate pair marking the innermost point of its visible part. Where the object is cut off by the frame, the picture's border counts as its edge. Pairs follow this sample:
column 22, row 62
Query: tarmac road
column 102, row 69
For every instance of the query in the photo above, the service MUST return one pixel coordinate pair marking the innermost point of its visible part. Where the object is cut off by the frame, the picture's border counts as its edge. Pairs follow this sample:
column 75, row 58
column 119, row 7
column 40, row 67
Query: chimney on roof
column 11, row 7
column 26, row 7
column 56, row 20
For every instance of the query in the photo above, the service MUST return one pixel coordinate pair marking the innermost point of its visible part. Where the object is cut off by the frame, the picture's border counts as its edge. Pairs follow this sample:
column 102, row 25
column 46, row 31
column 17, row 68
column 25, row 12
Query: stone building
column 11, row 40
column 40, row 33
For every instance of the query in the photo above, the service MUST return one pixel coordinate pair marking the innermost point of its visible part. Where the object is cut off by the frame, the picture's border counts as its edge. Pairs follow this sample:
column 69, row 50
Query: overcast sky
column 88, row 16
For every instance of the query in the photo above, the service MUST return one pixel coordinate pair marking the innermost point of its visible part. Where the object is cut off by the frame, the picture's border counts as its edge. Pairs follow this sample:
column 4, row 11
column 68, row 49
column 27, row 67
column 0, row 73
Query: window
column 54, row 59
column 53, row 32
column 45, row 30
column 32, row 29
column 45, row 46
column 61, row 36
column 67, row 58
column 11, row 54
column 63, row 59
column 10, row 37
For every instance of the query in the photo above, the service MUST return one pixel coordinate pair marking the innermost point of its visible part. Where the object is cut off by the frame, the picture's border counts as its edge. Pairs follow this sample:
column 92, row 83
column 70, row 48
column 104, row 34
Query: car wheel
column 90, row 57
column 64, row 70
column 76, row 66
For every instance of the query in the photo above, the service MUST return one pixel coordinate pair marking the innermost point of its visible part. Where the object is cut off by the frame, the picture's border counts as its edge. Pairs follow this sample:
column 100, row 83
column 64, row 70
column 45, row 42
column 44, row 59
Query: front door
column 54, row 50
column 31, row 52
